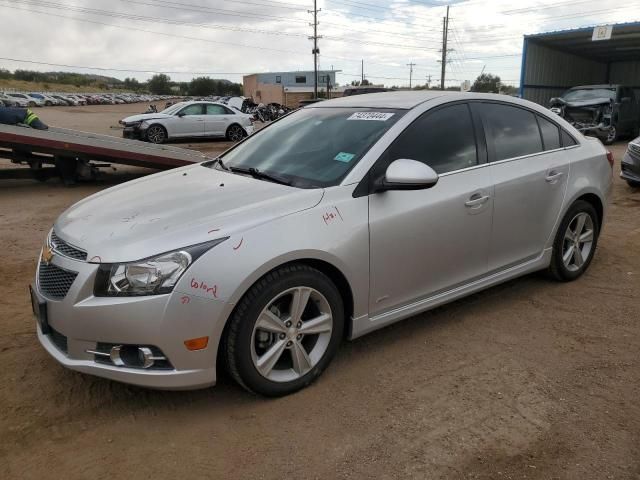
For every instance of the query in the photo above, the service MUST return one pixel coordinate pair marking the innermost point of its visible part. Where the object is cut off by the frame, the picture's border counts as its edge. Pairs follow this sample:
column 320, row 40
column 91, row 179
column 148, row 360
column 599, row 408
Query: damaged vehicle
column 604, row 111
column 186, row 120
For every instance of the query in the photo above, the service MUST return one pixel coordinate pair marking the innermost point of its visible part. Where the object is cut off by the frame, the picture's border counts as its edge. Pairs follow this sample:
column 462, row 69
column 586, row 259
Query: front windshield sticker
column 344, row 157
column 377, row 116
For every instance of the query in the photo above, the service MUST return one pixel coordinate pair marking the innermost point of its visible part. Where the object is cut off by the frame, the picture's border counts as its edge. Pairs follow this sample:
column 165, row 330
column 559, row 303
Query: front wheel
column 612, row 135
column 235, row 133
column 156, row 134
column 285, row 331
column 575, row 242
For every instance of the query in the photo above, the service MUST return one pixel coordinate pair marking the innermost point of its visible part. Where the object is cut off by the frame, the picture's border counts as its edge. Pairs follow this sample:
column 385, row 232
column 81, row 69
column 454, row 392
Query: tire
column 235, row 133
column 633, row 184
column 156, row 133
column 566, row 266
column 270, row 300
column 612, row 136
column 31, row 104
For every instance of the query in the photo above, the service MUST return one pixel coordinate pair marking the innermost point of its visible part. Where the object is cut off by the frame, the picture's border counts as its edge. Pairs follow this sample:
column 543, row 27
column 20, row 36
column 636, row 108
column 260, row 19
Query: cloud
column 225, row 38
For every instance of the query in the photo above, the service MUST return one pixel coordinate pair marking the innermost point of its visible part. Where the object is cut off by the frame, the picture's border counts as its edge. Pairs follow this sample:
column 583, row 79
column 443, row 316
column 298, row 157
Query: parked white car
column 189, row 119
column 12, row 101
column 30, row 101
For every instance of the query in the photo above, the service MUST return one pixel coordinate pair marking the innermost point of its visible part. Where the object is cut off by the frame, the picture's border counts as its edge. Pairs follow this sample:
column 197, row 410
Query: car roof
column 406, row 100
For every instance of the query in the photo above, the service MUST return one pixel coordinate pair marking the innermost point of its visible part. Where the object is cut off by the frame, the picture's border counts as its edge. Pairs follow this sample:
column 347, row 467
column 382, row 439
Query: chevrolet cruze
column 334, row 221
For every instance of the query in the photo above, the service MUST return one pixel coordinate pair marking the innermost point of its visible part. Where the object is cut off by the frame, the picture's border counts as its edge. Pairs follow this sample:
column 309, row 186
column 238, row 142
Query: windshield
column 589, row 94
column 313, row 147
column 173, row 108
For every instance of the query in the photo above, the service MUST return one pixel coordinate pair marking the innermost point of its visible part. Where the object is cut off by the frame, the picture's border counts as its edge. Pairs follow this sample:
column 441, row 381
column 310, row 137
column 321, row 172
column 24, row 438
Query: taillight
column 610, row 158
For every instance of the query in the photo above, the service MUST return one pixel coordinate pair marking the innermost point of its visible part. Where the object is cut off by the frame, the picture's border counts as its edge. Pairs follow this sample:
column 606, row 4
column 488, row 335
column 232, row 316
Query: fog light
column 197, row 343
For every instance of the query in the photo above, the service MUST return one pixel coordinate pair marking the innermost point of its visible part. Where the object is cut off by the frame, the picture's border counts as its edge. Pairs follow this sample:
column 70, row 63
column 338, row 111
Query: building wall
column 547, row 73
column 626, row 73
column 292, row 99
column 266, row 93
column 288, row 79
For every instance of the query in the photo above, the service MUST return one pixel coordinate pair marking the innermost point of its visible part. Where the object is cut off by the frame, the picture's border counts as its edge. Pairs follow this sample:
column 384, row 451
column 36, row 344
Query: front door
column 423, row 242
column 189, row 122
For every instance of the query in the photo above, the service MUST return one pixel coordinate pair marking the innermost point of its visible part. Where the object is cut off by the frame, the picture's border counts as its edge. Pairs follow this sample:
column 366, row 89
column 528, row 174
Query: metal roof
column 624, row 44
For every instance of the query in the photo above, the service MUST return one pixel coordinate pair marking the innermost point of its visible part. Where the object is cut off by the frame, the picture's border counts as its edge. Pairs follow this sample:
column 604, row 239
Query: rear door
column 423, row 242
column 216, row 120
column 529, row 170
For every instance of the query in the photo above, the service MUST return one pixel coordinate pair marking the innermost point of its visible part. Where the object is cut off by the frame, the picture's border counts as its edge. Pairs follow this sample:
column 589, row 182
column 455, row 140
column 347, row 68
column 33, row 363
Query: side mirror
column 181, row 114
column 405, row 174
column 625, row 100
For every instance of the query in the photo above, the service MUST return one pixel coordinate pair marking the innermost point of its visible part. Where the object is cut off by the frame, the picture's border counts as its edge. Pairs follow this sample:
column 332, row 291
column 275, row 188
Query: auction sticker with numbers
column 376, row 116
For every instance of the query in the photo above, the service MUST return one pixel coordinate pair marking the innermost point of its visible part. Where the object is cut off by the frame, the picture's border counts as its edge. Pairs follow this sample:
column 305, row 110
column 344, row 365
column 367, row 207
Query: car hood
column 175, row 209
column 145, row 116
column 594, row 102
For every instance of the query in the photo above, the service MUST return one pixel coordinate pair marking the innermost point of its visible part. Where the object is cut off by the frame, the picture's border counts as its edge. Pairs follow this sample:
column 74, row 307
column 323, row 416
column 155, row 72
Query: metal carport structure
column 555, row 61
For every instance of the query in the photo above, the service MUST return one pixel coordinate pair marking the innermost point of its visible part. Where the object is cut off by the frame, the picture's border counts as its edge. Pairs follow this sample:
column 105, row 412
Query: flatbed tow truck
column 73, row 155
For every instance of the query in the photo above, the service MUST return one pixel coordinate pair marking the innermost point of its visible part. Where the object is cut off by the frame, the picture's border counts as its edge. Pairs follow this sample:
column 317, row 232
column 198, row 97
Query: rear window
column 567, row 140
column 550, row 134
column 512, row 131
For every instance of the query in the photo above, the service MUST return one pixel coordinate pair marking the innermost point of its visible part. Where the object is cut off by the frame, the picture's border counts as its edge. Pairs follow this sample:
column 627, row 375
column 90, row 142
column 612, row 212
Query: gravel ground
column 531, row 379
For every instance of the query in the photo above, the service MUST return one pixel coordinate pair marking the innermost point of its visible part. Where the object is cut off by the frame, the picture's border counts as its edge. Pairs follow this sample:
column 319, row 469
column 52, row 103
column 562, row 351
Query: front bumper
column 630, row 166
column 84, row 321
column 249, row 129
column 133, row 133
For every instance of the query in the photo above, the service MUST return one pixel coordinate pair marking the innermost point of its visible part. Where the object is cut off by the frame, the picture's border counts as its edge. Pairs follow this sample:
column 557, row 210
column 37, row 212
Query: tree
column 4, row 73
column 131, row 84
column 160, row 84
column 203, row 86
column 486, row 83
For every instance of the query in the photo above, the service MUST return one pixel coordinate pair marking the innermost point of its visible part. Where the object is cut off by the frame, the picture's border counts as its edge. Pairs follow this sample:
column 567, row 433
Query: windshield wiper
column 221, row 163
column 260, row 175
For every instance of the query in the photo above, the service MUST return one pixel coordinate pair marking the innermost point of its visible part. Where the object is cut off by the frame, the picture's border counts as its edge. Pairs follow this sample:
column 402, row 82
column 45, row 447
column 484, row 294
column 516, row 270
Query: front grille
column 59, row 340
column 63, row 248
column 54, row 282
column 634, row 148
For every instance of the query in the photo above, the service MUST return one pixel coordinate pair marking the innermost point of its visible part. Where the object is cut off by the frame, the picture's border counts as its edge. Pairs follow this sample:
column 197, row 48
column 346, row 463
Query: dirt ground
column 532, row 379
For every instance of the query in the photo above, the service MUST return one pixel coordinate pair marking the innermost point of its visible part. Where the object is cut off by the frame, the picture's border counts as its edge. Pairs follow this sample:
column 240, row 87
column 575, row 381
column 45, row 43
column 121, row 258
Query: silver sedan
column 334, row 221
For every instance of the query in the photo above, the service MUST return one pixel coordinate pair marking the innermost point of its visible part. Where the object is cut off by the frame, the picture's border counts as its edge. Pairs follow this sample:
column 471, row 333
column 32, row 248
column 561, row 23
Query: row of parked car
column 33, row 99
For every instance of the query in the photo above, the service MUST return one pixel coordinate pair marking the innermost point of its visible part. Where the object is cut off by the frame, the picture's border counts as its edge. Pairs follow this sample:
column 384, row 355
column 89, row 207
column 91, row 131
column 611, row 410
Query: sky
column 229, row 38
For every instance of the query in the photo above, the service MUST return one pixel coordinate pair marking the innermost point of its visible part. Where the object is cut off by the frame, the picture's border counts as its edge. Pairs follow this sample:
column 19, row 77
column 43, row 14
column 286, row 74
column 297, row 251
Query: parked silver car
column 189, row 119
column 334, row 221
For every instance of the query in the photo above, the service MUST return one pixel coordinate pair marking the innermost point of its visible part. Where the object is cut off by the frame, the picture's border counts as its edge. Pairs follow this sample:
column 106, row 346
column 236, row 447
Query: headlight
column 151, row 276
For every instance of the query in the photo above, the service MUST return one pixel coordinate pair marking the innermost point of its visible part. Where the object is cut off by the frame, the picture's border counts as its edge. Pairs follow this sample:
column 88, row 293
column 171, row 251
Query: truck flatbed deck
column 58, row 146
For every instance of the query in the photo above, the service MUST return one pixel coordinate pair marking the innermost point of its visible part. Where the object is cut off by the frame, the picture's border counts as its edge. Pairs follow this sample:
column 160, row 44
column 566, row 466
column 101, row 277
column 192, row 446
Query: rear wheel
column 284, row 331
column 235, row 133
column 575, row 242
column 156, row 134
column 32, row 104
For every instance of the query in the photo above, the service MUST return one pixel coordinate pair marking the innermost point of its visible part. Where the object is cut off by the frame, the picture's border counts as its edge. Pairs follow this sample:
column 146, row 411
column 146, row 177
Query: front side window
column 443, row 139
column 313, row 147
column 512, row 131
column 195, row 109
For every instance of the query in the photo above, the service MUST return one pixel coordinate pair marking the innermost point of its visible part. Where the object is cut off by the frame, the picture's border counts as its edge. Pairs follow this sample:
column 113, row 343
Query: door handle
column 476, row 200
column 553, row 175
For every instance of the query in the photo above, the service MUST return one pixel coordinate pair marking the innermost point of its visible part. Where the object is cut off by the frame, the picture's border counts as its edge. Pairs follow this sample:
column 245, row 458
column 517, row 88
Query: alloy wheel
column 578, row 241
column 155, row 134
column 612, row 134
column 235, row 133
column 291, row 334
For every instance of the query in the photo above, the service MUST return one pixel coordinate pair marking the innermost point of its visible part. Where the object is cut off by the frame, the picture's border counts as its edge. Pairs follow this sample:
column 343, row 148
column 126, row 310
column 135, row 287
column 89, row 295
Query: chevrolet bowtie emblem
column 47, row 254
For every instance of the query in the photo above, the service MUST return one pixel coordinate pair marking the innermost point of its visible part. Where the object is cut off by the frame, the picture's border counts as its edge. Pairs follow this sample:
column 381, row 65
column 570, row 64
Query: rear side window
column 443, row 139
column 550, row 134
column 567, row 140
column 512, row 131
column 216, row 110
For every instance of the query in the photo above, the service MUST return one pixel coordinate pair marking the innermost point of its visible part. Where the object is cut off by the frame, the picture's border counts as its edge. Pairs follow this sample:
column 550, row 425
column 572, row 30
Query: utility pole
column 445, row 32
column 315, row 50
column 362, row 72
column 428, row 81
column 410, row 65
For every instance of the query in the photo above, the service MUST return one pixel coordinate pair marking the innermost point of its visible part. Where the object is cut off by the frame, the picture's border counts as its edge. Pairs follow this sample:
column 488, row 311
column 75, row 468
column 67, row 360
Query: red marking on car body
column 330, row 216
column 239, row 245
column 184, row 300
column 200, row 285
